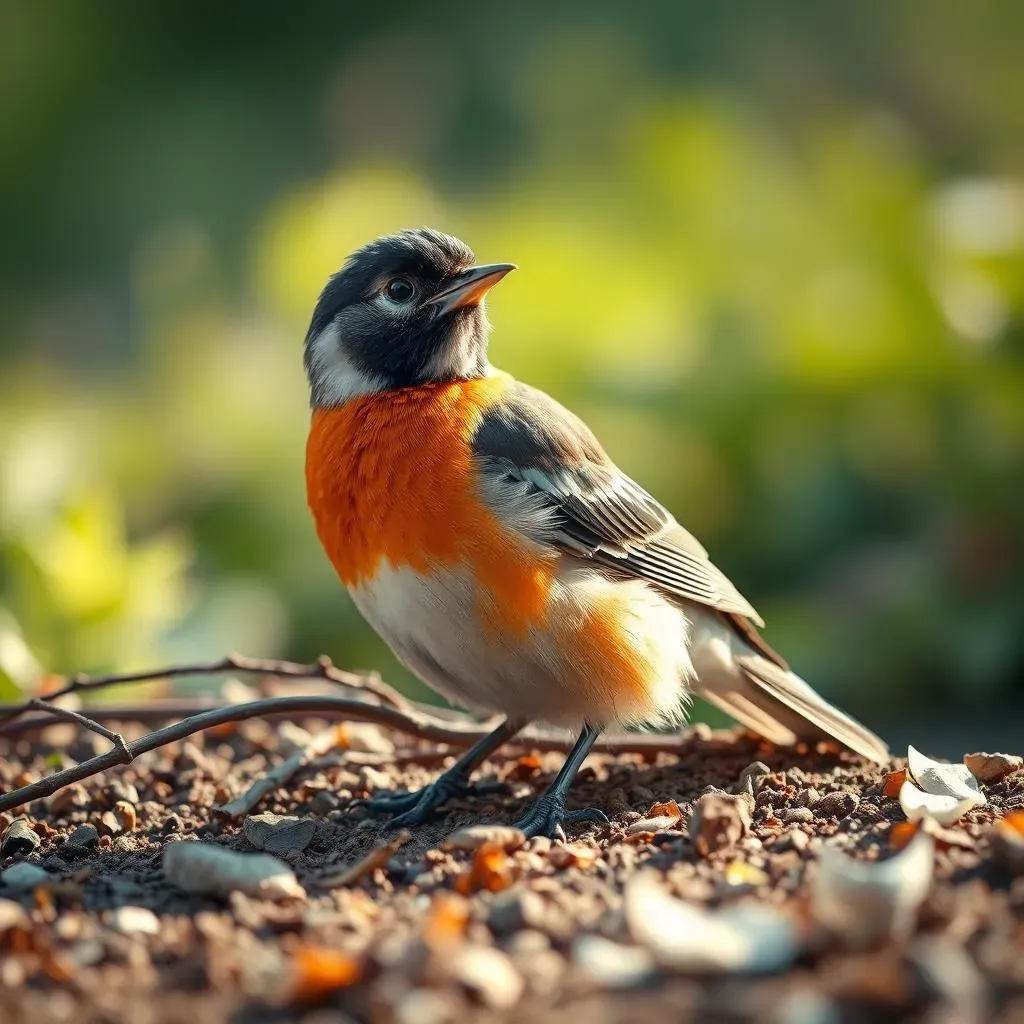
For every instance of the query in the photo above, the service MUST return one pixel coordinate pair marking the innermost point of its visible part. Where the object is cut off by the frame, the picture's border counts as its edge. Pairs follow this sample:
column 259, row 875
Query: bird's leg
column 416, row 807
column 548, row 814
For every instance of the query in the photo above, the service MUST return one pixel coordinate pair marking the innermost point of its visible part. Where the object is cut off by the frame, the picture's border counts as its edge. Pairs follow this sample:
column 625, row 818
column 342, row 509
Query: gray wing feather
column 595, row 509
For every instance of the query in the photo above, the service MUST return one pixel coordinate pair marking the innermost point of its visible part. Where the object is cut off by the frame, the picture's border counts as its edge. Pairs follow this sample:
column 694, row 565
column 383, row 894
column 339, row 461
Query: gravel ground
column 632, row 921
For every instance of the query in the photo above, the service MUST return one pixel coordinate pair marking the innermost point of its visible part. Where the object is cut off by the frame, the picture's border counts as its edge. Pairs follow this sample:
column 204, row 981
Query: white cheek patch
column 333, row 377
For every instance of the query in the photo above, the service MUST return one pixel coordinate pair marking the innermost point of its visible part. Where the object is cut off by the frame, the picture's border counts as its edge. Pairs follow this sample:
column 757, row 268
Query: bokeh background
column 773, row 253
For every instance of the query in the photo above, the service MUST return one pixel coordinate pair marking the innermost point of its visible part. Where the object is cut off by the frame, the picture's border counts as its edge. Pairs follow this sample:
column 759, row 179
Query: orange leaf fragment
column 525, row 767
column 901, row 833
column 667, row 809
column 490, row 869
column 318, row 971
column 1013, row 822
column 446, row 921
column 894, row 783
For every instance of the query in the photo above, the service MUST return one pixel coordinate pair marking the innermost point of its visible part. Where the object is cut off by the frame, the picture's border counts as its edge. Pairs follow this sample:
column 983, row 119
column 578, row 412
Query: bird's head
column 405, row 309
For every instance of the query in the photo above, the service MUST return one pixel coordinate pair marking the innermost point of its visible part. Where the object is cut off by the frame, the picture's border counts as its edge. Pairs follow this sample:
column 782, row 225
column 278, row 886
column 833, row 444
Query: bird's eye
column 400, row 289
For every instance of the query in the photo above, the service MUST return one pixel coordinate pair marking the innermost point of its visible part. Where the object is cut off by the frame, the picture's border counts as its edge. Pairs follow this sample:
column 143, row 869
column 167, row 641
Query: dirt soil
column 536, row 933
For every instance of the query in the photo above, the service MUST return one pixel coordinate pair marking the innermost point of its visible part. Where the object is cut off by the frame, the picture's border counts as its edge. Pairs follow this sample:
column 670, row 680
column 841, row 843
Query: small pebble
column 127, row 816
column 24, row 876
column 473, row 837
column 798, row 814
column 836, row 805
column 488, row 974
column 134, row 921
column 109, row 824
column 84, row 837
column 993, row 767
column 279, row 833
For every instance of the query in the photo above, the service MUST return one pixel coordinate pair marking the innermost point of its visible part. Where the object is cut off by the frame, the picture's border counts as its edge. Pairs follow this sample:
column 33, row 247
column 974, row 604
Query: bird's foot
column 547, row 816
column 416, row 807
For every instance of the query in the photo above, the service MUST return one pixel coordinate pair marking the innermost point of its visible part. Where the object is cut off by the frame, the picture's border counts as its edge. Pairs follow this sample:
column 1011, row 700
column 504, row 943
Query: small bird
column 486, row 535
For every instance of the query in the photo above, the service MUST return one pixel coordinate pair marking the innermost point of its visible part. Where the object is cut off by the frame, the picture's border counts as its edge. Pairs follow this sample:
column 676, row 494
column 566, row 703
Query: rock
column 12, row 915
column 279, row 833
column 24, row 876
column 807, row 797
column 749, row 776
column 472, row 838
column 662, row 823
column 793, row 839
column 18, row 840
column 172, row 824
column 85, row 837
column 992, row 767
column 366, row 738
column 370, row 779
column 209, row 869
column 424, row 1006
column 611, row 964
column 109, row 825
column 516, row 909
column 488, row 974
column 71, row 798
column 324, row 802
column 792, row 815
column 836, row 805
column 718, row 821
column 134, row 921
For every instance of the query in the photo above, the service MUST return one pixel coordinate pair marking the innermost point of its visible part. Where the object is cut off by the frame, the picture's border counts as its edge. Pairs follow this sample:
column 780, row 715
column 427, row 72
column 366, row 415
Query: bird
column 485, row 534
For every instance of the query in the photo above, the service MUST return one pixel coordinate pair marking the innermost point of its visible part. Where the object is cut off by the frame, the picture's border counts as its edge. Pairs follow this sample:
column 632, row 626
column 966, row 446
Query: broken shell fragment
column 938, row 779
column 918, row 805
column 865, row 903
column 684, row 937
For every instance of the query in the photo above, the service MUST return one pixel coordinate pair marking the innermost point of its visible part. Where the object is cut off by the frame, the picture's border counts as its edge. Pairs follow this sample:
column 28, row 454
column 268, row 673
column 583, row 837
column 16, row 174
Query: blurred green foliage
column 773, row 254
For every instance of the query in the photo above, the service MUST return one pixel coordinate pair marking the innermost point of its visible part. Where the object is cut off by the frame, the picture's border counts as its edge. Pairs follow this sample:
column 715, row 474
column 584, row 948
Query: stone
column 134, row 921
column 279, row 833
column 993, row 767
column 85, row 837
column 798, row 814
column 836, row 805
column 24, row 876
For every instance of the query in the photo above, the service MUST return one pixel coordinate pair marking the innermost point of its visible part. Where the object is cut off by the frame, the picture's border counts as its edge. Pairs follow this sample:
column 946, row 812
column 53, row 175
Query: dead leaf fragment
column 1008, row 842
column 209, row 869
column 993, row 767
column 893, row 783
column 316, row 972
column 901, row 834
column 376, row 858
column 490, row 869
column 668, row 809
column 446, row 921
column 473, row 837
column 719, row 821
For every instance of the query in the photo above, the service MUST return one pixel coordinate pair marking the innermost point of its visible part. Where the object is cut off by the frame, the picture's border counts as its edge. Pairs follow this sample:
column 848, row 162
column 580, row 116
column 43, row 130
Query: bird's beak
column 469, row 287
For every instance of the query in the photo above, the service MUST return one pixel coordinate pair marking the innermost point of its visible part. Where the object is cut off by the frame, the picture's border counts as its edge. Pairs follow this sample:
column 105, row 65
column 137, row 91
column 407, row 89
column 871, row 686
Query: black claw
column 547, row 816
column 416, row 807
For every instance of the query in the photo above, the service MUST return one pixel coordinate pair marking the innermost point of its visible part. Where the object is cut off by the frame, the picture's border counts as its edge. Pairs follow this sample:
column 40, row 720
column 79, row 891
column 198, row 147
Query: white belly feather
column 546, row 672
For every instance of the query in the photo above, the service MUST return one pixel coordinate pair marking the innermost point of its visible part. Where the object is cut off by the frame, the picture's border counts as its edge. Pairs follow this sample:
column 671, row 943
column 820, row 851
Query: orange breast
column 389, row 479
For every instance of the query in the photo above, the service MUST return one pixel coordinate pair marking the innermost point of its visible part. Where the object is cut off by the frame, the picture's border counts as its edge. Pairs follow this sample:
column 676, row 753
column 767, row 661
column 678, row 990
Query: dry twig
column 322, row 668
column 315, row 747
